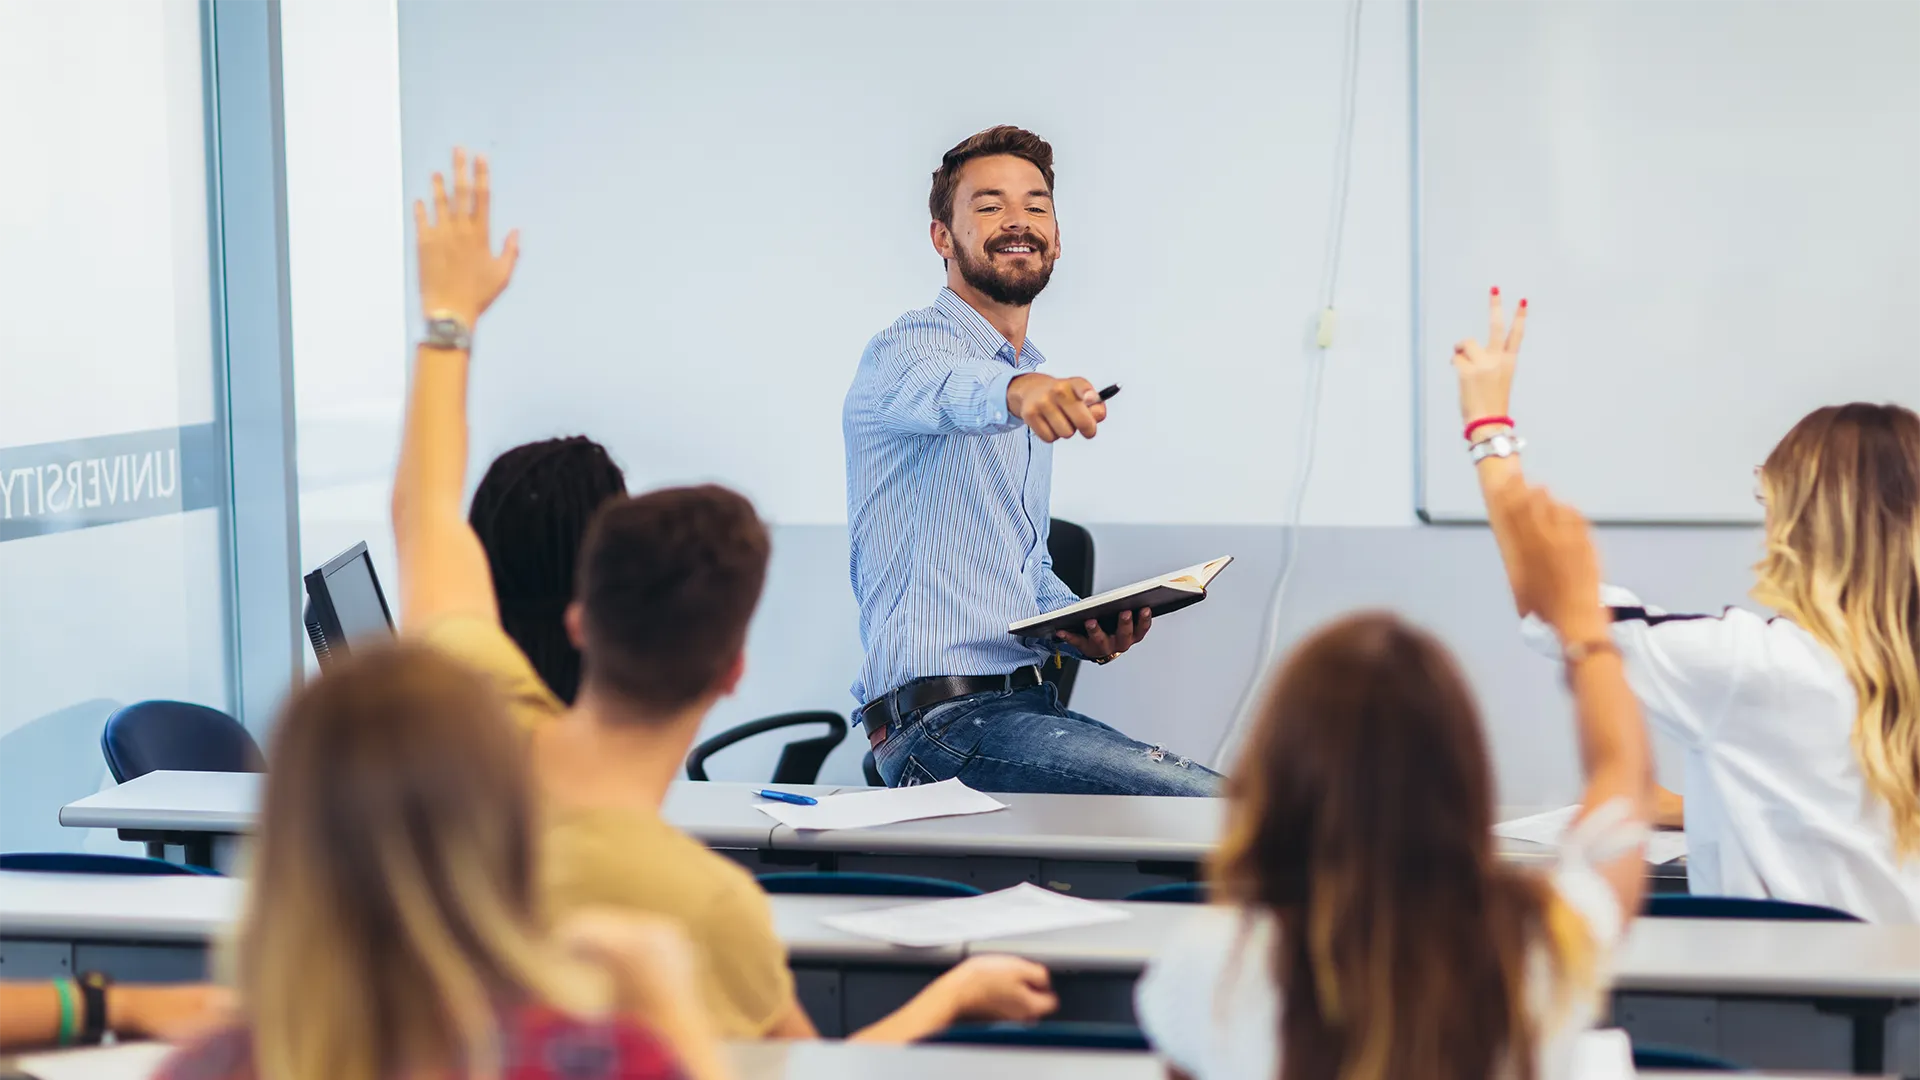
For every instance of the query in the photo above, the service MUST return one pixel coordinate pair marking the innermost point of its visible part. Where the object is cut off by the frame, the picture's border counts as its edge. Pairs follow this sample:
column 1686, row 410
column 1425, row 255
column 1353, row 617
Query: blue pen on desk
column 787, row 797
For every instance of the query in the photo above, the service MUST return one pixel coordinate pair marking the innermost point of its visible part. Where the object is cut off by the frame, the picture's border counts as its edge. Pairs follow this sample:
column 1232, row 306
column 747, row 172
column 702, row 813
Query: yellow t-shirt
column 623, row 858
column 485, row 647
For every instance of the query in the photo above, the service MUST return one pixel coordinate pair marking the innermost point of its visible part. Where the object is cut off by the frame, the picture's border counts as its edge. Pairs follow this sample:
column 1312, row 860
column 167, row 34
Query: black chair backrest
column 800, row 760
column 87, row 862
column 1687, row 906
column 150, row 736
column 1071, row 547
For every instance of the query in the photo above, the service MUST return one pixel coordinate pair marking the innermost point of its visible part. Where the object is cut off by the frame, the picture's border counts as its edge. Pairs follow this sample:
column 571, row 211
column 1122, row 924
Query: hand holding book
column 1099, row 646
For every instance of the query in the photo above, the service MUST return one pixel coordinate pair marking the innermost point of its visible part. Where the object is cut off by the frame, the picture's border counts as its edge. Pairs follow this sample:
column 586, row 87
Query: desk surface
column 775, row 1060
column 117, row 907
column 718, row 814
column 1123, row 828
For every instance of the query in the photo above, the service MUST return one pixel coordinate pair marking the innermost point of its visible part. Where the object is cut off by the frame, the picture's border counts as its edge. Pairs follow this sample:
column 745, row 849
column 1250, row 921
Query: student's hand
column 1056, row 408
column 999, row 988
column 1097, row 644
column 459, row 273
column 1561, row 569
column 1486, row 371
column 172, row 1013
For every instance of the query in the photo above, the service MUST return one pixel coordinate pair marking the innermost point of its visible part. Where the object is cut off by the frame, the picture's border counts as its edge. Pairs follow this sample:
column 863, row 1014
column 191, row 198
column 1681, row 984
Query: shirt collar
column 982, row 333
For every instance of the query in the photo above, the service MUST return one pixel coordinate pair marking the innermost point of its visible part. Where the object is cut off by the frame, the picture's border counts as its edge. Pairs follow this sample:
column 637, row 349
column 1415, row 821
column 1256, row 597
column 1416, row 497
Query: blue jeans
column 1024, row 740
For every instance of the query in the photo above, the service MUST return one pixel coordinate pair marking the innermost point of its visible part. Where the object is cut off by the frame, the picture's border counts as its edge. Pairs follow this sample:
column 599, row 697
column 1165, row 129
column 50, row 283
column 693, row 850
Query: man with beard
column 949, row 428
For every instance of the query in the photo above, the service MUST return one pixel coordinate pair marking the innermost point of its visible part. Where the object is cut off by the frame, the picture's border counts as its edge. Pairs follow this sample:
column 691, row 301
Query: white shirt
column 1776, row 804
column 1210, row 1004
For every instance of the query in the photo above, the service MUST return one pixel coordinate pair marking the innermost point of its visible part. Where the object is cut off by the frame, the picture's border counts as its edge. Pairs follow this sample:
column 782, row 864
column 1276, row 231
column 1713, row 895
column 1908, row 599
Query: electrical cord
column 1316, row 356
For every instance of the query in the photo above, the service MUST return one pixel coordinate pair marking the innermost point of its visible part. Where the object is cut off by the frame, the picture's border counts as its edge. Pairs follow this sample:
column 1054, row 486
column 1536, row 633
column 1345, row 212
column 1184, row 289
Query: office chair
column 1687, row 906
column 1173, row 892
column 1064, row 1034
column 815, row 883
column 150, row 736
column 1071, row 547
column 799, row 762
column 1674, row 1059
column 78, row 862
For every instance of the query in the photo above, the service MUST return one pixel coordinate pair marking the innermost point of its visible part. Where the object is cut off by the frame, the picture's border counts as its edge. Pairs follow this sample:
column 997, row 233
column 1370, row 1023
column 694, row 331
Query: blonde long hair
column 391, row 913
column 1843, row 562
column 1360, row 816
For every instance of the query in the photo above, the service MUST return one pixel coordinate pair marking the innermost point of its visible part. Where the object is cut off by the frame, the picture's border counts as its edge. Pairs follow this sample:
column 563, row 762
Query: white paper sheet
column 1602, row 1055
column 861, row 809
column 1024, row 909
column 1663, row 846
column 133, row 1061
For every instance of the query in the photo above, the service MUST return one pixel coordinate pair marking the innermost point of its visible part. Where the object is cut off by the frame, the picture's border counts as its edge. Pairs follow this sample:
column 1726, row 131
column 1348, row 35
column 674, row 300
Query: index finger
column 462, row 183
column 1081, row 418
column 1496, row 318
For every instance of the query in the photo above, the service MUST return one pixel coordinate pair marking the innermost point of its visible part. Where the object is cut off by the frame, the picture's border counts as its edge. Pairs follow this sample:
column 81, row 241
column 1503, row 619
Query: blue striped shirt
column 946, row 501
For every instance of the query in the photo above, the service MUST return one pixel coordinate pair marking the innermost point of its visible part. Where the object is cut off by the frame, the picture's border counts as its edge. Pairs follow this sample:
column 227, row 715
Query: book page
column 884, row 806
column 1024, row 909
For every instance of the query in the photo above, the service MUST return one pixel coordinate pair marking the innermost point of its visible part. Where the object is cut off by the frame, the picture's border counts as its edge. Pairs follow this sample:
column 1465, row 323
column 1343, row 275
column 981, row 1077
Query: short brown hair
column 668, row 583
column 1001, row 139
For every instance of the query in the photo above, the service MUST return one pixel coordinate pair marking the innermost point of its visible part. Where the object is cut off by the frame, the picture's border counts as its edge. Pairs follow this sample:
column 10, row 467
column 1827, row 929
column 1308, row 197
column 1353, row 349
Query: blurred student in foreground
column 391, row 929
column 1375, row 933
column 667, row 584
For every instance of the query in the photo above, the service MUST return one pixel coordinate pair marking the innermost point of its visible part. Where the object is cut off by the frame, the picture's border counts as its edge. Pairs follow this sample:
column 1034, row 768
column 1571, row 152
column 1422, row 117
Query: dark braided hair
column 531, row 512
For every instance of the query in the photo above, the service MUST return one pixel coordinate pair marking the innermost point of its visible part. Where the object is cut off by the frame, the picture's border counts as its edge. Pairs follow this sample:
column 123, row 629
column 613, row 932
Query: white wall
column 1362, row 546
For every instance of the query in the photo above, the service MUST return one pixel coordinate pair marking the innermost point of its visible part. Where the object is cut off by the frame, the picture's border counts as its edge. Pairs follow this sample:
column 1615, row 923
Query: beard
column 1008, row 285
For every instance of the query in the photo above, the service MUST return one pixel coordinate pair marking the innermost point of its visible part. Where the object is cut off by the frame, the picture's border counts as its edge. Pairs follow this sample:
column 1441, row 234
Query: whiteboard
column 721, row 203
column 1715, row 211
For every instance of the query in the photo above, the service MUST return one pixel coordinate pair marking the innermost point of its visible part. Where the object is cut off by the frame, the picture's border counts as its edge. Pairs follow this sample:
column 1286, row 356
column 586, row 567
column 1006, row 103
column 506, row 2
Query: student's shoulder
column 484, row 646
column 632, row 859
column 224, row 1054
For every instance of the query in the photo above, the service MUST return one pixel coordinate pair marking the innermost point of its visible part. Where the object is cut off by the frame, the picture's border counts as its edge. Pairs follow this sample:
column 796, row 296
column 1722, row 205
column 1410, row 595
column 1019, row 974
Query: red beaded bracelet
column 1487, row 421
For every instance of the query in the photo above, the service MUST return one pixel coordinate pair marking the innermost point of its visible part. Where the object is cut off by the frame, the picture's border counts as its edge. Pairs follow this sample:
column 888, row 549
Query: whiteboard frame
column 1422, row 507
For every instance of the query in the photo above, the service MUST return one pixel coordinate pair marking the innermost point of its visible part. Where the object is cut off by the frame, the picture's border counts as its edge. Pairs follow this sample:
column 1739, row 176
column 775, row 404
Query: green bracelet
column 69, row 1010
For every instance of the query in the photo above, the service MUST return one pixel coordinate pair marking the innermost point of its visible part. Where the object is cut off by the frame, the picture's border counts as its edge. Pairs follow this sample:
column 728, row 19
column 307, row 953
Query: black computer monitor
column 345, row 604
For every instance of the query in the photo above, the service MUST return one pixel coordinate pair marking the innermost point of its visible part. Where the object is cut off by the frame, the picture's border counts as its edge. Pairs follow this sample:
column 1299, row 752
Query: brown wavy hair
column 1843, row 562
column 1360, row 817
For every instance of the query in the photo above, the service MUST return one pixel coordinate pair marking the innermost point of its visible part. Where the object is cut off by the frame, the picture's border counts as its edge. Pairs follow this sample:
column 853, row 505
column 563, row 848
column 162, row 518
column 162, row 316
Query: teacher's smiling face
column 1002, row 238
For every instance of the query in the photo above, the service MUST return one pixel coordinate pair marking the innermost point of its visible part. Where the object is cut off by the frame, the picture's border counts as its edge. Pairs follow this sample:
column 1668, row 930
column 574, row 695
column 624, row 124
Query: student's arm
column 1669, row 809
column 1562, row 576
column 443, row 569
column 30, row 1012
column 978, row 988
column 1486, row 386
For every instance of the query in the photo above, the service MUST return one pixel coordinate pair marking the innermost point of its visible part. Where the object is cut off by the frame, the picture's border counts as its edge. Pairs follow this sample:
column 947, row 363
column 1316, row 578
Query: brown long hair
column 1360, row 816
column 391, row 909
column 1843, row 562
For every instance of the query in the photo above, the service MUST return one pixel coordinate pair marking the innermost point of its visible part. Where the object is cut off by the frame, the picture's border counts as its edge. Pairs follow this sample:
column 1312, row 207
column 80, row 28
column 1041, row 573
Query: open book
column 1164, row 594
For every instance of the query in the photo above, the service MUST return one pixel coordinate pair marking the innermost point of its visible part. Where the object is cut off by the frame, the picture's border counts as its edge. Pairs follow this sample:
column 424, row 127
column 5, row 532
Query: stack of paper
column 130, row 1060
column 1548, row 828
column 884, row 806
column 1602, row 1055
column 1024, row 909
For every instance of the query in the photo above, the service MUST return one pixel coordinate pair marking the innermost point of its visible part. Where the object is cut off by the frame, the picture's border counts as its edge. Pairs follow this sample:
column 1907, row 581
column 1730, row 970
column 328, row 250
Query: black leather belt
column 885, row 713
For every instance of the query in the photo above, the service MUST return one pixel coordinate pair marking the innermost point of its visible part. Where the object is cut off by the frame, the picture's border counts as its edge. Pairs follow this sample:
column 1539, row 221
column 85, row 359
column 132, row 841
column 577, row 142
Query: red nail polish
column 1496, row 290
column 1523, row 301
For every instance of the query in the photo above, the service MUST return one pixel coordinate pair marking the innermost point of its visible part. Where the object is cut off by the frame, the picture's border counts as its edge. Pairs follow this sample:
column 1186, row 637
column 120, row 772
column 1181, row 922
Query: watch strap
column 93, row 1010
column 1504, row 444
column 447, row 331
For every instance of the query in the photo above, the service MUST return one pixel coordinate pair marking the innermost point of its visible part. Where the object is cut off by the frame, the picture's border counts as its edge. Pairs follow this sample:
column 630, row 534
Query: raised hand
column 459, row 273
column 1561, row 570
column 1486, row 371
column 1056, row 408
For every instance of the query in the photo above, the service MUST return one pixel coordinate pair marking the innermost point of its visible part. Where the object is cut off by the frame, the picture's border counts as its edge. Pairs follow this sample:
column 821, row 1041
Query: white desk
column 778, row 1060
column 214, row 808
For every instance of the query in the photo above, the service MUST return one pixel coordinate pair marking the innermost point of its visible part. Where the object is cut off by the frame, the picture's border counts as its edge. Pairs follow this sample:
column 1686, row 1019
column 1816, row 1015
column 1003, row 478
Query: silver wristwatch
column 444, row 331
column 1505, row 444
